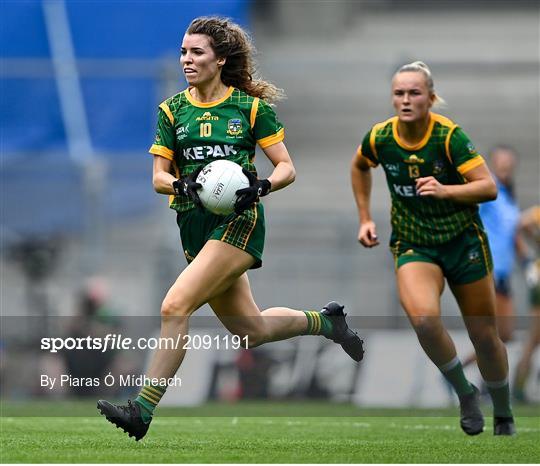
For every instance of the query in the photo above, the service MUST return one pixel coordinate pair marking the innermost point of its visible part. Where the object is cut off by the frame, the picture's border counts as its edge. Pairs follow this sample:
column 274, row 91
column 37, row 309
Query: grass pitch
column 194, row 436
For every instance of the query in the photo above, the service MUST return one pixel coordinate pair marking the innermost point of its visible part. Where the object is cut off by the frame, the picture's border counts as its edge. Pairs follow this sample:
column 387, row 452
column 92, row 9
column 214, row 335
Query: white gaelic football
column 220, row 180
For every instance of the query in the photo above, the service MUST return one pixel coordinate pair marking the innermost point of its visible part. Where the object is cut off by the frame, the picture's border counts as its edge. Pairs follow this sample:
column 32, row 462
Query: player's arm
column 163, row 151
column 269, row 134
column 283, row 175
column 480, row 187
column 361, row 185
column 162, row 178
column 284, row 172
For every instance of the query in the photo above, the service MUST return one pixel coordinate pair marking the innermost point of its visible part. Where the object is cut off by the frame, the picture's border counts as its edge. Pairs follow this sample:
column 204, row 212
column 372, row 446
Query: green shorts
column 244, row 231
column 464, row 259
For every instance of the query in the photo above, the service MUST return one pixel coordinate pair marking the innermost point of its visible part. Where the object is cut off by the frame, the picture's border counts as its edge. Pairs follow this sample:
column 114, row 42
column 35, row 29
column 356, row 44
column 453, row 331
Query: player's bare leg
column 214, row 276
column 477, row 303
column 238, row 311
column 420, row 286
column 505, row 322
column 214, row 269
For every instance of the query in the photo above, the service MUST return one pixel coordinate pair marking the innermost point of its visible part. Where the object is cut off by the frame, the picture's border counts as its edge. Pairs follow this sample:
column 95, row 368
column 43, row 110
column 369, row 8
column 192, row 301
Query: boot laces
column 129, row 409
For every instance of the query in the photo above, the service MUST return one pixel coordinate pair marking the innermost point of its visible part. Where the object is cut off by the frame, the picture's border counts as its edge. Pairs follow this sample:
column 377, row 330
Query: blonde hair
column 230, row 41
column 421, row 67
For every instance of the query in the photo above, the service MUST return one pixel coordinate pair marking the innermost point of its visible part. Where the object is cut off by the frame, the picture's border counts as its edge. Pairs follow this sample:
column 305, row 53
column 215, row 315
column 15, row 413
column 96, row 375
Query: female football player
column 224, row 113
column 436, row 178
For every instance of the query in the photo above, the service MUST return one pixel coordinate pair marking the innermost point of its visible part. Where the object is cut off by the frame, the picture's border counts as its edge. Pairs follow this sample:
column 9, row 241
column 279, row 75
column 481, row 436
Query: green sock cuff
column 147, row 409
column 148, row 398
column 500, row 396
column 453, row 373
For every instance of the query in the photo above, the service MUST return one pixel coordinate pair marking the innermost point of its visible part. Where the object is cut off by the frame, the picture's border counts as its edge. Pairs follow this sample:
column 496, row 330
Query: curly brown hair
column 230, row 41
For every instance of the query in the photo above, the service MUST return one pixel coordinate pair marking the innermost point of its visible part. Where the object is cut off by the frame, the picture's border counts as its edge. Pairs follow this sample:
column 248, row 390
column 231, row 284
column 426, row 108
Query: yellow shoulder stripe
column 167, row 111
column 372, row 141
column 451, row 125
column 272, row 139
column 470, row 164
column 447, row 143
column 443, row 120
column 253, row 114
column 162, row 151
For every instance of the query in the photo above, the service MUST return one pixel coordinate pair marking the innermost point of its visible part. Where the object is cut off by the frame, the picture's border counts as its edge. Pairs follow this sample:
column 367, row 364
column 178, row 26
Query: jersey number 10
column 205, row 130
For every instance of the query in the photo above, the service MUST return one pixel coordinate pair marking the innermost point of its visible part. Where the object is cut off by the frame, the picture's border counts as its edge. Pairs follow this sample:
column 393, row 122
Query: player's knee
column 426, row 327
column 176, row 307
column 505, row 334
column 486, row 341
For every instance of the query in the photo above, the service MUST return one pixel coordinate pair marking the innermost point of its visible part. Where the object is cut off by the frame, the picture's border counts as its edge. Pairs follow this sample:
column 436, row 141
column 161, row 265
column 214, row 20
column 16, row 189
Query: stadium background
column 77, row 201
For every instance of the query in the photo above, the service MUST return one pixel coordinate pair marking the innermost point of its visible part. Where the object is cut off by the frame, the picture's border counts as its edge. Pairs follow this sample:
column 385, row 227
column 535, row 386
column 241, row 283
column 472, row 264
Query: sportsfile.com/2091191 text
column 114, row 341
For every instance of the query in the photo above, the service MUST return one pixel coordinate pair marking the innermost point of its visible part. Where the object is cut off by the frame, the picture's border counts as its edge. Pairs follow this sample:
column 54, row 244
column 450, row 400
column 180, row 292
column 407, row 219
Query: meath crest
column 234, row 127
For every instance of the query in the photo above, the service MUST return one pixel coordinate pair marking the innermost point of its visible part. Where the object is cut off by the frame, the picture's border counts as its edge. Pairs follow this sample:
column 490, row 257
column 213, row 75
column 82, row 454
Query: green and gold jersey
column 192, row 133
column 446, row 153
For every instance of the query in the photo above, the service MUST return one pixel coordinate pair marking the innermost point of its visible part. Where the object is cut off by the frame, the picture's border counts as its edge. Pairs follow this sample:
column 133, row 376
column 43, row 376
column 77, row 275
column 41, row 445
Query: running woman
column 436, row 179
column 223, row 114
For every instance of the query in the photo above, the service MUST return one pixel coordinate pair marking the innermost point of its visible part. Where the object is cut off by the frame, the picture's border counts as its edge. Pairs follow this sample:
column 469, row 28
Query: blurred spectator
column 254, row 368
column 95, row 319
column 501, row 219
column 530, row 226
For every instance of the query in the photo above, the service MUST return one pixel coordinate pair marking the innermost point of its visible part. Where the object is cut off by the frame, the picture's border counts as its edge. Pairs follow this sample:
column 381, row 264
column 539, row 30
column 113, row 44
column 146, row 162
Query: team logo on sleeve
column 234, row 127
column 474, row 257
column 471, row 148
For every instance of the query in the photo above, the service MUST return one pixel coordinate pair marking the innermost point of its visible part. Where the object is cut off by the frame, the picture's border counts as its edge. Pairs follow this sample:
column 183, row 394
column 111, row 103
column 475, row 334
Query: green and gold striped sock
column 318, row 324
column 148, row 399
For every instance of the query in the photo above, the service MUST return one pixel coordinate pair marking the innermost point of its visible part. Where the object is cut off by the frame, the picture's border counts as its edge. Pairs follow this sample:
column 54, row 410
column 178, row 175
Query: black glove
column 248, row 196
column 187, row 186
